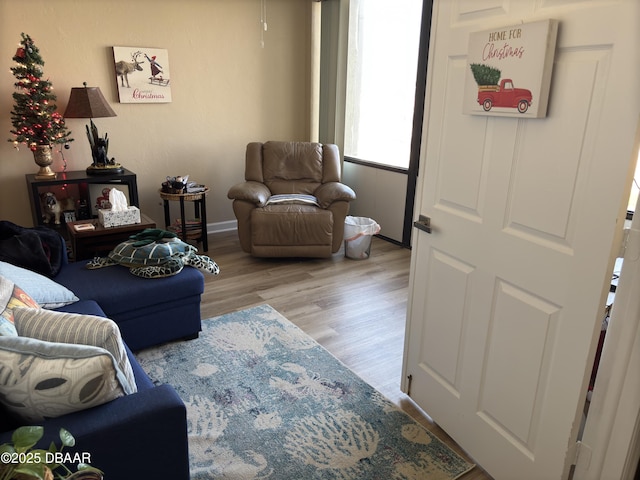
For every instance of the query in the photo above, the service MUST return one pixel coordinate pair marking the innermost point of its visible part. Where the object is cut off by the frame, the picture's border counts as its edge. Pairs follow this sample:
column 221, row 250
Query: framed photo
column 142, row 74
column 99, row 195
column 509, row 70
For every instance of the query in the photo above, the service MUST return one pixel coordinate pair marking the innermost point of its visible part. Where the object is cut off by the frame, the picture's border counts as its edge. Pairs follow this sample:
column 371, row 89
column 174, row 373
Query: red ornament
column 20, row 52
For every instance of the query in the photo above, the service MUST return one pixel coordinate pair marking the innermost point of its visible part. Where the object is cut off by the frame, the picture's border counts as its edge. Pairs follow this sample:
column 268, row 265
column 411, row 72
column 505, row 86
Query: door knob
column 423, row 223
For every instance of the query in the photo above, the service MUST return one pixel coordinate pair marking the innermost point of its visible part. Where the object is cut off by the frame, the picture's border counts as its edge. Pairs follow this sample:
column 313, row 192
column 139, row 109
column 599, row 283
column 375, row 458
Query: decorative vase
column 43, row 158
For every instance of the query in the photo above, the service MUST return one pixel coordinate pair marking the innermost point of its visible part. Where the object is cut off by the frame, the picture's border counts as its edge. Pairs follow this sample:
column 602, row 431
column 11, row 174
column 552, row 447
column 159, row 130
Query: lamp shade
column 87, row 102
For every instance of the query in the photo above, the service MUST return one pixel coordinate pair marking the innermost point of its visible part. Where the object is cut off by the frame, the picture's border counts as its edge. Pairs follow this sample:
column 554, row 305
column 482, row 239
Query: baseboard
column 222, row 226
column 232, row 225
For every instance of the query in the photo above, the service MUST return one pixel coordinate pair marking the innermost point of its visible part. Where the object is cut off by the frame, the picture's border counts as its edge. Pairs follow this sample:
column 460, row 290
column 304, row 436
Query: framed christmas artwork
column 142, row 74
column 509, row 70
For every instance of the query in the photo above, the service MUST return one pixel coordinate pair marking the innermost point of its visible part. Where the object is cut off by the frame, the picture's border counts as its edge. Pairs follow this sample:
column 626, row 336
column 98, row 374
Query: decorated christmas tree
column 34, row 117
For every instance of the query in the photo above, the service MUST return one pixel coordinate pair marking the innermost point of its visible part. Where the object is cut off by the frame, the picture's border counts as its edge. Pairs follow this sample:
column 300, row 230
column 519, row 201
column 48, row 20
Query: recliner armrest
column 250, row 191
column 330, row 192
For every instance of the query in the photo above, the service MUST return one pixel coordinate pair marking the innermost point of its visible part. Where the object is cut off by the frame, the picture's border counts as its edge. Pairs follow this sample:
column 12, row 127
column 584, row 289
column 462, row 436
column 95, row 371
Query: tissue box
column 109, row 218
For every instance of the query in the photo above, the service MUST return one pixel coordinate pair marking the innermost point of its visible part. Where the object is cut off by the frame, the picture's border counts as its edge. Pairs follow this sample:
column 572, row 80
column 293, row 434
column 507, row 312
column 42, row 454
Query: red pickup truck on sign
column 504, row 95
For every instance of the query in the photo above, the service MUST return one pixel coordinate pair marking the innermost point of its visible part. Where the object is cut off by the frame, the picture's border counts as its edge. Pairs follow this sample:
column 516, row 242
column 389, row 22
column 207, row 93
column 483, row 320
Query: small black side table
column 200, row 208
column 98, row 241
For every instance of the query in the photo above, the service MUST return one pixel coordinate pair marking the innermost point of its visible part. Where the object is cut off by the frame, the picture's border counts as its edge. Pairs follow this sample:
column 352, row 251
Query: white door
column 507, row 292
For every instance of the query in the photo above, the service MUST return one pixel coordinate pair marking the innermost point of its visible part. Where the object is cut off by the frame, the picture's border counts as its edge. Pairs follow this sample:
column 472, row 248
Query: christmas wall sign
column 142, row 74
column 509, row 70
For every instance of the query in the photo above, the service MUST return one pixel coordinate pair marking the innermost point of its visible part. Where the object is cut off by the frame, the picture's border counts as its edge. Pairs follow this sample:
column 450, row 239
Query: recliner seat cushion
column 298, row 225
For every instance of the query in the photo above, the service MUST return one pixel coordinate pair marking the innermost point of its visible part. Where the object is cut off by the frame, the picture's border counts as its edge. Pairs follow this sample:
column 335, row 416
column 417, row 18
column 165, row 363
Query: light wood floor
column 355, row 308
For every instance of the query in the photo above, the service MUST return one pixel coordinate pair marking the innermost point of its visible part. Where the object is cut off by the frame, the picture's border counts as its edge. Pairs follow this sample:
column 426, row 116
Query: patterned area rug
column 266, row 401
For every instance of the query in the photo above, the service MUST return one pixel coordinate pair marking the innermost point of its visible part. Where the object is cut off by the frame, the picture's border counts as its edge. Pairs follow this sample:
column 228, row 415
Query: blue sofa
column 142, row 435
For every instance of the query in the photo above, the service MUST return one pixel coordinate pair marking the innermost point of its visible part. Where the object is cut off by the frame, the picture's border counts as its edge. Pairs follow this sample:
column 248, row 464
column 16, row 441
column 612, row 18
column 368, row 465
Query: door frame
column 612, row 430
column 418, row 122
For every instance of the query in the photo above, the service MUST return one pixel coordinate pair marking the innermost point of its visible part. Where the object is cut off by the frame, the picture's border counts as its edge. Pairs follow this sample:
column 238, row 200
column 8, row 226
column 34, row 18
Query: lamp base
column 109, row 169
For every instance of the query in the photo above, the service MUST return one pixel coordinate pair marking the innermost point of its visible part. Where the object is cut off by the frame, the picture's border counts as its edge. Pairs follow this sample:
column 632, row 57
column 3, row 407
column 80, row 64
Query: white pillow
column 74, row 328
column 43, row 290
column 40, row 380
column 293, row 198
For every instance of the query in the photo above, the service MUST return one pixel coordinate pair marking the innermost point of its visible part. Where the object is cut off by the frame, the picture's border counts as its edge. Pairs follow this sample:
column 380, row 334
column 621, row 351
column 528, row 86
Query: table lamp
column 88, row 102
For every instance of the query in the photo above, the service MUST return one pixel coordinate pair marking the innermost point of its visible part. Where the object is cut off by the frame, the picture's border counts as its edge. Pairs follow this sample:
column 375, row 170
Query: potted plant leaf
column 19, row 460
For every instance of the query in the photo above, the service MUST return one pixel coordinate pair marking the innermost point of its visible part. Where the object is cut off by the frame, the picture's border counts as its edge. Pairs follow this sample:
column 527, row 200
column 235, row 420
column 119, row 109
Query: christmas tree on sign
column 36, row 123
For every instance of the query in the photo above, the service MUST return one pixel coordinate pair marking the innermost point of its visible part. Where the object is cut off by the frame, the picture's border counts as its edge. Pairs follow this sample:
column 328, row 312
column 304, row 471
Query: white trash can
column 357, row 236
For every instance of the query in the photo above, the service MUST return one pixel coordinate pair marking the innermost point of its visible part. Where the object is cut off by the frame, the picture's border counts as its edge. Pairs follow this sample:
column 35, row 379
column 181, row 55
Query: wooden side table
column 200, row 208
column 99, row 241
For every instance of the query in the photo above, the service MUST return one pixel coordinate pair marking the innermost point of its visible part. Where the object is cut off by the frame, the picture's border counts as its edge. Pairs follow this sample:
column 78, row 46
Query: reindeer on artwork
column 123, row 69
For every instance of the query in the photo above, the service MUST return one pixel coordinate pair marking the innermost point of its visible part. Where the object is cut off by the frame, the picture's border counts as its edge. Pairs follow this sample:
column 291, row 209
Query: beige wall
column 226, row 89
column 381, row 196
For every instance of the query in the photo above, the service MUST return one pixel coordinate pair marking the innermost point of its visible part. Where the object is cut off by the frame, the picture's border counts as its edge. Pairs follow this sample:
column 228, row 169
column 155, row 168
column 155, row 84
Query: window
column 384, row 41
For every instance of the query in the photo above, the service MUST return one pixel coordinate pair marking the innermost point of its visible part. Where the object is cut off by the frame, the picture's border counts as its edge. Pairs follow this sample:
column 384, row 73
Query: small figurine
column 99, row 152
column 99, row 147
column 52, row 208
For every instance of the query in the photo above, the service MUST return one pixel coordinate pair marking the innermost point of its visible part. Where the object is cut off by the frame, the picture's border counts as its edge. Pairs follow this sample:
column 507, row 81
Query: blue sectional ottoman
column 148, row 311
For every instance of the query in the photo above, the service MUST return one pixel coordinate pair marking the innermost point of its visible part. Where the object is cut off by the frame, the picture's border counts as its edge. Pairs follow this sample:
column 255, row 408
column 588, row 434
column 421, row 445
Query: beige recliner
column 292, row 203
